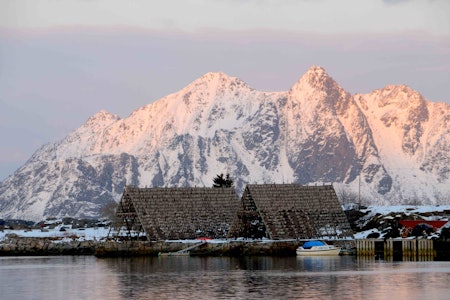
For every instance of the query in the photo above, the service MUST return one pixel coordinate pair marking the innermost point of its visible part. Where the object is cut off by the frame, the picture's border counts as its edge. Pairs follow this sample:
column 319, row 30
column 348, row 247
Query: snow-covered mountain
column 390, row 146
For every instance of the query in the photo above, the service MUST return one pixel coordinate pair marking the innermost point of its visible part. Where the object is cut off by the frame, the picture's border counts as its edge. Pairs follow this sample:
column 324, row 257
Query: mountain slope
column 391, row 146
column 414, row 145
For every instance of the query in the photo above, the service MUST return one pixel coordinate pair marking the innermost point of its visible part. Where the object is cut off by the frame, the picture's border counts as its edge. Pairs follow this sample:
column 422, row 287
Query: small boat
column 317, row 248
column 348, row 251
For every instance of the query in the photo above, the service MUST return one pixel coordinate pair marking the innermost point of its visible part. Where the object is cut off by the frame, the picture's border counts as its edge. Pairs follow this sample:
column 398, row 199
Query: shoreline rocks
column 32, row 246
column 26, row 246
column 226, row 248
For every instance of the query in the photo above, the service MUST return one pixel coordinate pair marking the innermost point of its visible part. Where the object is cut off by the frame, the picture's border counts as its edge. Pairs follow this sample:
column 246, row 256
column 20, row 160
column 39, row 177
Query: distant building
column 176, row 213
column 287, row 211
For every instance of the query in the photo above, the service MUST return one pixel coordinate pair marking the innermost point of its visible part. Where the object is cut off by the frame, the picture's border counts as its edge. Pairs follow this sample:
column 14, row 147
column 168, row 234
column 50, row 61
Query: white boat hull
column 319, row 251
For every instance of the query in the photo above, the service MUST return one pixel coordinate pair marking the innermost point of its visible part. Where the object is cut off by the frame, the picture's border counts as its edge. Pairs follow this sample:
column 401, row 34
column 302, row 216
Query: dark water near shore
column 87, row 277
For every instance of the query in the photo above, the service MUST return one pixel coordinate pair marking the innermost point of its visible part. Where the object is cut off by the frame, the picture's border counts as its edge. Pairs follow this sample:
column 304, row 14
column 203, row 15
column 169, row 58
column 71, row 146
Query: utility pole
column 359, row 191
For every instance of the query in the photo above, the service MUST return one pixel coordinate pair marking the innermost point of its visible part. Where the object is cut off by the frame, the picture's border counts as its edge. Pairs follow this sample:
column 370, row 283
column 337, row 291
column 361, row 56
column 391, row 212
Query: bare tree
column 109, row 211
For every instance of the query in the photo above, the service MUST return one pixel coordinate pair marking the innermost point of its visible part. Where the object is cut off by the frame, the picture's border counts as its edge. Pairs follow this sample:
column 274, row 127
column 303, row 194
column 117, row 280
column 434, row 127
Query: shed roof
column 286, row 211
column 178, row 213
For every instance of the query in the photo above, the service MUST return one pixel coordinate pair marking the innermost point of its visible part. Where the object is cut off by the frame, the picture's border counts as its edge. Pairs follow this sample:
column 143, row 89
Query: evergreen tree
column 221, row 181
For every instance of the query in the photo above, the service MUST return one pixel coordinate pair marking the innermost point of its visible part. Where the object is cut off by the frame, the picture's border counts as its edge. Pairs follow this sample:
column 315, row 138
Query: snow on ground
column 440, row 212
column 86, row 234
column 408, row 209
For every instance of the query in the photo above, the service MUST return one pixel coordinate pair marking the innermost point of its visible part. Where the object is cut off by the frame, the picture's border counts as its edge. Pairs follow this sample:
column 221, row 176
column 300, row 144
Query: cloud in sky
column 324, row 16
column 63, row 61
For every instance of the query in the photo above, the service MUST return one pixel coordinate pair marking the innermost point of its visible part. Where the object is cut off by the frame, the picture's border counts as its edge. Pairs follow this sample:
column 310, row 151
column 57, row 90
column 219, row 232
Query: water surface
column 87, row 277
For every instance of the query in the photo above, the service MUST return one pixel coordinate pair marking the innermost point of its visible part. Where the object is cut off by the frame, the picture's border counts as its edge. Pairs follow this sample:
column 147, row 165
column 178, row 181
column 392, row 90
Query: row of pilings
column 411, row 249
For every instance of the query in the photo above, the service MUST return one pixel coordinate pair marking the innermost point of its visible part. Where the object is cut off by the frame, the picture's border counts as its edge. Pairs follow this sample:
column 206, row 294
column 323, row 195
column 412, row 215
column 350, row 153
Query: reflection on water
column 221, row 278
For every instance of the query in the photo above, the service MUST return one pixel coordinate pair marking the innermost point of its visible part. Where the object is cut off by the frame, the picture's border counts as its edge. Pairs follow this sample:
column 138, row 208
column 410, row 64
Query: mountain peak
column 102, row 116
column 399, row 89
column 317, row 71
column 316, row 76
column 219, row 80
column 215, row 75
column 315, row 80
column 401, row 95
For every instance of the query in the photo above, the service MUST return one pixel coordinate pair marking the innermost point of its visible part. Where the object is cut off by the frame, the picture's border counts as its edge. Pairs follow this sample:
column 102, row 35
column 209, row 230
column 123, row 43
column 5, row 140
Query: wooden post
column 406, row 251
column 388, row 249
column 365, row 247
column 425, row 249
column 372, row 247
column 421, row 248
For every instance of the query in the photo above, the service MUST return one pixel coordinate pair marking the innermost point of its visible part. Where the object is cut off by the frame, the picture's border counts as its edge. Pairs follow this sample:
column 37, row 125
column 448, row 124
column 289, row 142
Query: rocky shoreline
column 225, row 248
column 27, row 246
column 33, row 246
column 38, row 246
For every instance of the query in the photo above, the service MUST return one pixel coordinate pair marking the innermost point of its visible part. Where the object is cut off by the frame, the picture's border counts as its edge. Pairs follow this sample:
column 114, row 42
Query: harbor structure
column 290, row 211
column 270, row 211
column 176, row 213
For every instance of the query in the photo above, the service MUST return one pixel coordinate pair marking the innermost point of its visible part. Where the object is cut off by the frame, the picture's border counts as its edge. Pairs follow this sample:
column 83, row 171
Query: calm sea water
column 87, row 277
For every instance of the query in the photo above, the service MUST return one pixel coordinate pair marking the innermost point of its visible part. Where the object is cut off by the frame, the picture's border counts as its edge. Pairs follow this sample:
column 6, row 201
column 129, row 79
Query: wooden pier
column 416, row 249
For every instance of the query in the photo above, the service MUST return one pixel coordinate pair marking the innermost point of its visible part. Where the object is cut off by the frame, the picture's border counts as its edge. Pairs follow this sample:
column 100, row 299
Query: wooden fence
column 396, row 249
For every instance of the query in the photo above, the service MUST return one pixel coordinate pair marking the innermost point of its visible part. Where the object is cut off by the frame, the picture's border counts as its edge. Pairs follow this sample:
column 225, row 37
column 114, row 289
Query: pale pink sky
column 62, row 61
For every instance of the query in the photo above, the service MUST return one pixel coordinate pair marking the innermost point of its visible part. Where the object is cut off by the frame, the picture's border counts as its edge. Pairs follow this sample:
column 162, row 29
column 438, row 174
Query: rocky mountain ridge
column 387, row 147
